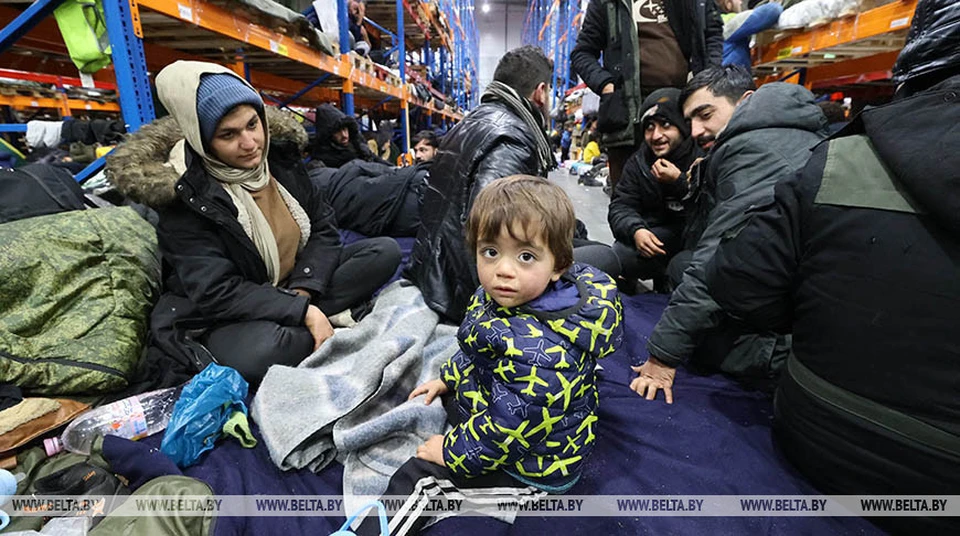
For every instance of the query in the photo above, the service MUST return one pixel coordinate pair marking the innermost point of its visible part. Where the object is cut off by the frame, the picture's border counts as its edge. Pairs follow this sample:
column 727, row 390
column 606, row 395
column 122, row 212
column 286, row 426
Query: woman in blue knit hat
column 255, row 264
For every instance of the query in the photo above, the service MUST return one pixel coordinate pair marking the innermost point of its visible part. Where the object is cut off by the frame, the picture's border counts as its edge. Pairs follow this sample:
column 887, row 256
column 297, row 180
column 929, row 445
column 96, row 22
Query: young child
column 523, row 380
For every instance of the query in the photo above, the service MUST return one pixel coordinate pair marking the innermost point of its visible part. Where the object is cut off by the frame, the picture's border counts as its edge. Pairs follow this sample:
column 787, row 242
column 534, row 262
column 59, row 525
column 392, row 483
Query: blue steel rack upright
column 133, row 84
column 554, row 25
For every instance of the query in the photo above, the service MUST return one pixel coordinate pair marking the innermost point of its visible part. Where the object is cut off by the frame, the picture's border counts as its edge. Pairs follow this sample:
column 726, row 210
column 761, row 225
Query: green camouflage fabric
column 76, row 290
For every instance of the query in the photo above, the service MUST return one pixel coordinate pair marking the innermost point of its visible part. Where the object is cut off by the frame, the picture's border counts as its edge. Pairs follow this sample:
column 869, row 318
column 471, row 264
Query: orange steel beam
column 45, row 37
column 546, row 20
column 21, row 101
column 872, row 23
column 868, row 66
column 217, row 19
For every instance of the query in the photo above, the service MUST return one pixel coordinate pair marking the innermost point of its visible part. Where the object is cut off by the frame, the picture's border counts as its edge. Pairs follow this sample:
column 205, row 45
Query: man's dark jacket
column 859, row 254
column 374, row 199
column 330, row 119
column 695, row 23
column 769, row 135
column 491, row 142
column 640, row 200
column 213, row 272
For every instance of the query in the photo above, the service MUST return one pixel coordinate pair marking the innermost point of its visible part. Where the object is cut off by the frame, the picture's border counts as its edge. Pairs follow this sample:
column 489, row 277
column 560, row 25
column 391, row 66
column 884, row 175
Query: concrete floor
column 589, row 204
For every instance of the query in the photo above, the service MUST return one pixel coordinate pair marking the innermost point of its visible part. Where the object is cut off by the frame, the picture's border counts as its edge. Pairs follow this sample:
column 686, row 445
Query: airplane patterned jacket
column 525, row 383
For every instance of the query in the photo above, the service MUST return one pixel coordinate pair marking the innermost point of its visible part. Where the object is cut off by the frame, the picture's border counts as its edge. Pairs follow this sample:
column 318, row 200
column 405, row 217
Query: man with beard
column 858, row 256
column 626, row 49
column 647, row 212
column 754, row 138
column 503, row 136
column 425, row 145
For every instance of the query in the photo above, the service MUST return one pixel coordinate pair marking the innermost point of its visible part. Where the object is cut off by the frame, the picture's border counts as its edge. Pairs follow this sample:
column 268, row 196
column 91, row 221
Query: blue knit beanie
column 217, row 94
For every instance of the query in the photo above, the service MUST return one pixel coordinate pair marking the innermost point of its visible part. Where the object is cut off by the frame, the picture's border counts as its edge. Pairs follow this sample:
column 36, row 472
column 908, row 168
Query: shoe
column 343, row 319
column 627, row 286
column 590, row 181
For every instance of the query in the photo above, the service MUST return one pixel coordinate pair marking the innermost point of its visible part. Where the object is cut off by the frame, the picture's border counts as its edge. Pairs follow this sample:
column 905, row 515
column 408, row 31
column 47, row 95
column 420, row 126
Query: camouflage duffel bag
column 76, row 290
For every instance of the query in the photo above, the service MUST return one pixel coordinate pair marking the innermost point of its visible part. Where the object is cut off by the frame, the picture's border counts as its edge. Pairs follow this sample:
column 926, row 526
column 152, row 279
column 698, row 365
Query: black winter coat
column 491, row 142
column 695, row 23
column 640, row 200
column 374, row 199
column 213, row 272
column 769, row 136
column 859, row 254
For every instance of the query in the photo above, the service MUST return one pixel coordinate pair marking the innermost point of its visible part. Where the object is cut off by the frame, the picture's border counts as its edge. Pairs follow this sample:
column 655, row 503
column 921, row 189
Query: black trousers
column 636, row 266
column 421, row 482
column 424, row 484
column 597, row 255
column 252, row 347
column 843, row 454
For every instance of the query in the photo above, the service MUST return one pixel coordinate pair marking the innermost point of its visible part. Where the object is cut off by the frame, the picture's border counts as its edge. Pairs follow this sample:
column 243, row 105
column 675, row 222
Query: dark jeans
column 597, row 255
column 616, row 158
column 636, row 266
column 677, row 265
column 252, row 347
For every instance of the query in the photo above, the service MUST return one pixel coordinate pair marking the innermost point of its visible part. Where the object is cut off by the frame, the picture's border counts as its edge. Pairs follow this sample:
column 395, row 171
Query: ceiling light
column 485, row 8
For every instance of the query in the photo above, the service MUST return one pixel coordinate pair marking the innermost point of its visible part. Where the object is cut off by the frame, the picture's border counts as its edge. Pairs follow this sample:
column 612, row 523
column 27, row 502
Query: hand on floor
column 432, row 450
column 654, row 375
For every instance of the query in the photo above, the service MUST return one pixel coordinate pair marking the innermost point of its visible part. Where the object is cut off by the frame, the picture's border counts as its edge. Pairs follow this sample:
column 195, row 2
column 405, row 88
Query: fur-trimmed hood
column 139, row 167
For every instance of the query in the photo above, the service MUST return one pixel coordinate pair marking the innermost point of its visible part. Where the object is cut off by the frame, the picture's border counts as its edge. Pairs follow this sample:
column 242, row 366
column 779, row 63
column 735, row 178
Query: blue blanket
column 714, row 440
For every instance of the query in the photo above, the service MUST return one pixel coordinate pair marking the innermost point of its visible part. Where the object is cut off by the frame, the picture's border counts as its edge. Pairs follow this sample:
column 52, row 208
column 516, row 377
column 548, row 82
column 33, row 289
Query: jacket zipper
column 68, row 362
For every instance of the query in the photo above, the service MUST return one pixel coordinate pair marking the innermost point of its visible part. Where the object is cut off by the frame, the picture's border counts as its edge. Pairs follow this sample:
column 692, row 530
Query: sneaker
column 343, row 319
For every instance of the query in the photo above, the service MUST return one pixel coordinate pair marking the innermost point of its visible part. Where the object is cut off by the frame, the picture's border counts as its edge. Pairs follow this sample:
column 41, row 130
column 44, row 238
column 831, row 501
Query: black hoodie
column 329, row 119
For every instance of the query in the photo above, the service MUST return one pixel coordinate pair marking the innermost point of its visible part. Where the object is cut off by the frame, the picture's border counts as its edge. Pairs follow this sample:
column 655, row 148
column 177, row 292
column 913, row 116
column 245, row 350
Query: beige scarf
column 177, row 88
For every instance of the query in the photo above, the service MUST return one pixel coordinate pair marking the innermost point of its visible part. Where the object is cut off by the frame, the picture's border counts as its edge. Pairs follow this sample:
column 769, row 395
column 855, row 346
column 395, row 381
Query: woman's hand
column 318, row 325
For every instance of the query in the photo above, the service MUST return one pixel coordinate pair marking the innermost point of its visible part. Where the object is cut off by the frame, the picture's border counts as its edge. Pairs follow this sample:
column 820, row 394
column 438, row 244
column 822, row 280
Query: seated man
column 338, row 139
column 755, row 138
column 425, row 145
column 868, row 285
column 647, row 212
column 505, row 135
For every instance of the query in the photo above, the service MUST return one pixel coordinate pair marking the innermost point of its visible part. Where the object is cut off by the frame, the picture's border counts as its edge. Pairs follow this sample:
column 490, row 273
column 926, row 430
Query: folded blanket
column 350, row 397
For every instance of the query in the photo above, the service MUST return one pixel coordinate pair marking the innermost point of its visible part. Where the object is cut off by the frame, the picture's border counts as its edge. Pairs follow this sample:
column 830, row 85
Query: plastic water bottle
column 132, row 418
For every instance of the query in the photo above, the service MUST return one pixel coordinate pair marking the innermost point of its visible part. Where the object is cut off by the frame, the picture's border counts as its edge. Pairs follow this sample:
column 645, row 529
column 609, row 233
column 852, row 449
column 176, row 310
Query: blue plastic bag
column 205, row 404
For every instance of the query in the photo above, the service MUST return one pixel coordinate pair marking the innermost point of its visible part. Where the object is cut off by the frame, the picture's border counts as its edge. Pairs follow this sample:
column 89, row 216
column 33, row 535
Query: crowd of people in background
column 804, row 251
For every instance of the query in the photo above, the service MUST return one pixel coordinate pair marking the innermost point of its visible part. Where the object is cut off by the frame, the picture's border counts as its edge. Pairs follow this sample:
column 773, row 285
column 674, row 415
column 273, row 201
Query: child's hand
column 432, row 389
column 432, row 450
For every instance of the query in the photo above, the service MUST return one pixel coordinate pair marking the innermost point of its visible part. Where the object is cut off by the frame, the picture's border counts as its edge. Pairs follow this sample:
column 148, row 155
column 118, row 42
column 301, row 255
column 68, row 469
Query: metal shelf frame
column 554, row 25
column 851, row 50
column 131, row 57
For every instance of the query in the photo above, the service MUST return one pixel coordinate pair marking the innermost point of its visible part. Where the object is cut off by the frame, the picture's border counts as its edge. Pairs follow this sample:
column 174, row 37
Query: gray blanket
column 349, row 399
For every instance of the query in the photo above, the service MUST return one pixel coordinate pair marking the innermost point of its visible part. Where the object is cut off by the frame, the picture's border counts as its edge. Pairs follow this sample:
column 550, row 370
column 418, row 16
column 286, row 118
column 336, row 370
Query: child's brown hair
column 540, row 207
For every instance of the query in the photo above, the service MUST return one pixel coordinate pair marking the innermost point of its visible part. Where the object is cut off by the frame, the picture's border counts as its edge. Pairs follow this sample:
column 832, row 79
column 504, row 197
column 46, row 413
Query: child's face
column 513, row 271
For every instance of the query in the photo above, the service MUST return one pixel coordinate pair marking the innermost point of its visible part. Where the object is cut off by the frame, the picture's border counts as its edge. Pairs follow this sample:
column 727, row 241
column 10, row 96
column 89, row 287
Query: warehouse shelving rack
column 860, row 49
column 146, row 35
column 553, row 25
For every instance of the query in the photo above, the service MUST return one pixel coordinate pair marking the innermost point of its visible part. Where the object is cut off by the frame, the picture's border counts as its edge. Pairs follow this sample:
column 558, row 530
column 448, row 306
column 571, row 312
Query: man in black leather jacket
column 503, row 136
